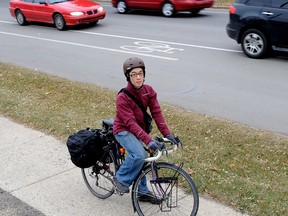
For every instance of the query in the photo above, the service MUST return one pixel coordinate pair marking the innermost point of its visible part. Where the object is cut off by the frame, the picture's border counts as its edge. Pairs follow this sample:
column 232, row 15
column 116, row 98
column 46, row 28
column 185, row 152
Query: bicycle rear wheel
column 98, row 177
column 172, row 185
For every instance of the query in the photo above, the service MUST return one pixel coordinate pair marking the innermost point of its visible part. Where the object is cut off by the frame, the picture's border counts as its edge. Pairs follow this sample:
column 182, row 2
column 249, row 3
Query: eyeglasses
column 134, row 75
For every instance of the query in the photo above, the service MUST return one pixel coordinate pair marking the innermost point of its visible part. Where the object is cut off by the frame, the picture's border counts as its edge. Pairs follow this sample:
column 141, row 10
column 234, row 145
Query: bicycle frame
column 165, row 179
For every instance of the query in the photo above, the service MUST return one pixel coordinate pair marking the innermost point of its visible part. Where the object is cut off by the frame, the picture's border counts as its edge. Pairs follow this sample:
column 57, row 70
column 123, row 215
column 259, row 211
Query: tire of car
column 254, row 44
column 168, row 10
column 59, row 22
column 21, row 19
column 121, row 7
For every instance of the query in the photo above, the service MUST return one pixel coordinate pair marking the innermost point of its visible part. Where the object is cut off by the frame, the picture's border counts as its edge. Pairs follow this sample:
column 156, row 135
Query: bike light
column 76, row 13
column 122, row 150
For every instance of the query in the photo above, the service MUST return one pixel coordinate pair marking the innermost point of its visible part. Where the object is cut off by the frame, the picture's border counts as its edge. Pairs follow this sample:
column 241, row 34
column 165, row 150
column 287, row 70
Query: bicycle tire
column 98, row 178
column 175, row 188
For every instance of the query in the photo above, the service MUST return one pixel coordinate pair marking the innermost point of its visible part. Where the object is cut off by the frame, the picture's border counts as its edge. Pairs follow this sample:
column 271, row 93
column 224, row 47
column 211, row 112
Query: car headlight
column 100, row 9
column 76, row 13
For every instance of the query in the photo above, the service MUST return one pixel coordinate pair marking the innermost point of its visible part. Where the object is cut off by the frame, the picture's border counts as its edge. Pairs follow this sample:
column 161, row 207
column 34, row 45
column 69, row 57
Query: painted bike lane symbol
column 149, row 47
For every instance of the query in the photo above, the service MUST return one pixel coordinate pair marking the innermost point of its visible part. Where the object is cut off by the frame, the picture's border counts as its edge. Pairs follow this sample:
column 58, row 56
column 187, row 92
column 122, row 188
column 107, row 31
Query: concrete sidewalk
column 36, row 169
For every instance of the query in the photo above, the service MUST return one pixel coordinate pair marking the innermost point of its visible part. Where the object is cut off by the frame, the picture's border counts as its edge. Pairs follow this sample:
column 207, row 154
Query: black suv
column 259, row 25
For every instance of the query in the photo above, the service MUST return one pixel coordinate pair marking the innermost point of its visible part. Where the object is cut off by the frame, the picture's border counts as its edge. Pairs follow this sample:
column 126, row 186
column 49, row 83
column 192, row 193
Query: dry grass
column 223, row 3
column 243, row 167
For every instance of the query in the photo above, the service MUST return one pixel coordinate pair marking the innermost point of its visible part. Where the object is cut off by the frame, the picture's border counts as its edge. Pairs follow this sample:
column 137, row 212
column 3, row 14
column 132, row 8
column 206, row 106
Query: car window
column 56, row 1
column 258, row 2
column 33, row 1
column 280, row 4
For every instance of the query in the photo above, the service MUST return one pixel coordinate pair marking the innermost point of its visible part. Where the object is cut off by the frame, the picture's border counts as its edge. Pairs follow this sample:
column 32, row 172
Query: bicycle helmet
column 131, row 63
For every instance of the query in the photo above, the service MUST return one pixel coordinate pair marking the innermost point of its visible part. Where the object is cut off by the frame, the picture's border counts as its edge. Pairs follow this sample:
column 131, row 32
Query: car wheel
column 168, row 10
column 254, row 44
column 59, row 22
column 121, row 7
column 20, row 18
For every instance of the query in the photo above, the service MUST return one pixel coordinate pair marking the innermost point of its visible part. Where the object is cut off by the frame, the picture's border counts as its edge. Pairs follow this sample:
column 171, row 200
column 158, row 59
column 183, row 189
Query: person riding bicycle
column 129, row 127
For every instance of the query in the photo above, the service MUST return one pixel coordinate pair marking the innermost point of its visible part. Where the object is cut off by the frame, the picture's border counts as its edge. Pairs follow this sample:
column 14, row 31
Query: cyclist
column 129, row 127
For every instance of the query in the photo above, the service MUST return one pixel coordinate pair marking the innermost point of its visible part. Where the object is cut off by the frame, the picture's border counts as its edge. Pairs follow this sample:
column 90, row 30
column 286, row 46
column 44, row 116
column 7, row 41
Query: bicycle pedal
column 117, row 192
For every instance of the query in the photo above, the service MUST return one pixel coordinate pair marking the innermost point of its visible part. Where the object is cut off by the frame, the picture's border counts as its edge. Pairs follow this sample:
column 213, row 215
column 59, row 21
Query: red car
column 61, row 13
column 167, row 7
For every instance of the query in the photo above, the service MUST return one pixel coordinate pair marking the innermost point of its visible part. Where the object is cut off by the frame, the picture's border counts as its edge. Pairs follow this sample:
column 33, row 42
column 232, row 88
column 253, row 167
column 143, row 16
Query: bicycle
column 168, row 182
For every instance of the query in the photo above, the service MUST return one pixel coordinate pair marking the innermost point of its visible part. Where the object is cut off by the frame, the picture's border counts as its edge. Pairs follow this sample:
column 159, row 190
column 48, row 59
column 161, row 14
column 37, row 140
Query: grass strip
column 243, row 167
column 223, row 3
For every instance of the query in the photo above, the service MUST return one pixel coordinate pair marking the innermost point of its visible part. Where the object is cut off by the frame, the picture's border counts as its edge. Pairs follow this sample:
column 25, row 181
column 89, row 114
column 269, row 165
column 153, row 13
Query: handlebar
column 165, row 151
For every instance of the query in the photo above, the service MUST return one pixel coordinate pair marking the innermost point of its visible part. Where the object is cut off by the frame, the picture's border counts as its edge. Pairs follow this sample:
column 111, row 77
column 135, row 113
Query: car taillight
column 232, row 10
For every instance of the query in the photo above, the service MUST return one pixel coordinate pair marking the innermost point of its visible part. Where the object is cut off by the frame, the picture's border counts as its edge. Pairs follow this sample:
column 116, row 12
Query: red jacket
column 129, row 117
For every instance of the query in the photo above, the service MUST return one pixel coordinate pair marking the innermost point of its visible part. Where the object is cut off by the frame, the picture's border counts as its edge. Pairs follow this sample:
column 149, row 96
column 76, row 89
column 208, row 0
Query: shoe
column 150, row 197
column 120, row 187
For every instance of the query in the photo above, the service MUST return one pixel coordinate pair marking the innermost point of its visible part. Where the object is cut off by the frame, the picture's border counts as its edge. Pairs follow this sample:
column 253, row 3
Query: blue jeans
column 133, row 162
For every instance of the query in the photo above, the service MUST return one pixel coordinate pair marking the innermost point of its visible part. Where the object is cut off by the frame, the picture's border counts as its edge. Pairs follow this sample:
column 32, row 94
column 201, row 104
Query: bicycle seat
column 107, row 123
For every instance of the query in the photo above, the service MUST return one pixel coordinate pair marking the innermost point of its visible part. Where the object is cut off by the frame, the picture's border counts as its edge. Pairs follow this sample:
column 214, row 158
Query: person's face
column 137, row 77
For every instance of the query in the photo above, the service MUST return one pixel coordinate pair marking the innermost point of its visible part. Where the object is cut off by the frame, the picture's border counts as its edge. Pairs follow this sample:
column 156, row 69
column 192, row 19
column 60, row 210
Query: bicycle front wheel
column 171, row 186
column 98, row 178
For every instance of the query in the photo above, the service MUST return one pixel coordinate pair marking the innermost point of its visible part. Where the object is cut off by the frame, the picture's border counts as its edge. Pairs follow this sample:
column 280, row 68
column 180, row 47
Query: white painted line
column 88, row 46
column 2, row 21
column 166, row 42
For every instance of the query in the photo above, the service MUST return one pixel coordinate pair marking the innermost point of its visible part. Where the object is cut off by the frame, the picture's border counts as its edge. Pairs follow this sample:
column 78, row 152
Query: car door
column 42, row 11
column 277, row 16
column 145, row 4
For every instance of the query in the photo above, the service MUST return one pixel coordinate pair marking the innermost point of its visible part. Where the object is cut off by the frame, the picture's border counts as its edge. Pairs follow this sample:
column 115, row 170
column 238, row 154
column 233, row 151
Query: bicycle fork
column 169, row 193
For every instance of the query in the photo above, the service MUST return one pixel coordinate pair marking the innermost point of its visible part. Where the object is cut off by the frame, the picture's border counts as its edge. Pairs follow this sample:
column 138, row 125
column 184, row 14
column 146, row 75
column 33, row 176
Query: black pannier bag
column 86, row 147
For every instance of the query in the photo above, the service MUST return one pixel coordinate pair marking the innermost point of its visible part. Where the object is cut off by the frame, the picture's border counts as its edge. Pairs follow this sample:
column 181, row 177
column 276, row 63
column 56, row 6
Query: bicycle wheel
column 98, row 178
column 173, row 186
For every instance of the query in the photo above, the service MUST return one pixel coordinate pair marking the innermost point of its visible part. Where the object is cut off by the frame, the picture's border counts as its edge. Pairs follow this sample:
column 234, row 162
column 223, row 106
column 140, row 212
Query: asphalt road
column 190, row 62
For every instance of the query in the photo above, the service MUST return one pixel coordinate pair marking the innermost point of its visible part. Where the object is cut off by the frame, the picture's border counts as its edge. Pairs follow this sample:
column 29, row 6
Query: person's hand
column 172, row 138
column 155, row 145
